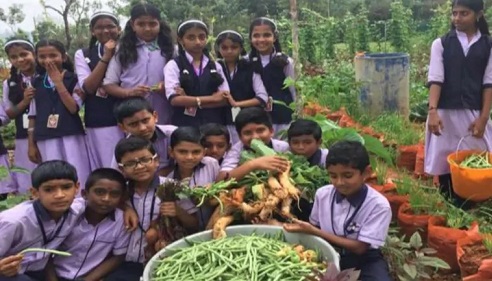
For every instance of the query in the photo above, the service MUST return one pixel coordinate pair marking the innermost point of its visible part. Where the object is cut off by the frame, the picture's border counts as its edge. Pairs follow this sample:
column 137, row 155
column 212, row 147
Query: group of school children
column 138, row 133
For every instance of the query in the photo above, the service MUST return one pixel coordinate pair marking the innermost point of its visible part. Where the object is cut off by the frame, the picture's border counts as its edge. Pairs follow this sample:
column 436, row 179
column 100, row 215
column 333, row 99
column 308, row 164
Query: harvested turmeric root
column 220, row 226
column 276, row 188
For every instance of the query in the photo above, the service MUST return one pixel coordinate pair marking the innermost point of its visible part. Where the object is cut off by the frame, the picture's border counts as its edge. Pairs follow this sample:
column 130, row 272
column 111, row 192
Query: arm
column 268, row 163
column 33, row 151
column 112, row 82
column 14, row 111
column 93, row 80
column 260, row 91
column 65, row 96
column 106, row 267
column 355, row 246
column 435, row 80
column 189, row 221
column 9, row 264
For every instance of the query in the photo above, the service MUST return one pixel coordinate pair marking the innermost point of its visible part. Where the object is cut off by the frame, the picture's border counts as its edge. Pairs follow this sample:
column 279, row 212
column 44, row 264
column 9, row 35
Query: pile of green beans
column 477, row 161
column 237, row 258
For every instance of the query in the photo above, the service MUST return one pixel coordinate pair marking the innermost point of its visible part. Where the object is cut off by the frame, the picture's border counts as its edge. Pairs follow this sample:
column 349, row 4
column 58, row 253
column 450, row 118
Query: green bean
column 49, row 251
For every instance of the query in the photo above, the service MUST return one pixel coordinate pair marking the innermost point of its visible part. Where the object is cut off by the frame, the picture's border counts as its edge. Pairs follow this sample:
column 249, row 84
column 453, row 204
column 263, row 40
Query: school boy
column 98, row 243
column 136, row 117
column 304, row 138
column 42, row 223
column 253, row 123
column 217, row 140
column 350, row 215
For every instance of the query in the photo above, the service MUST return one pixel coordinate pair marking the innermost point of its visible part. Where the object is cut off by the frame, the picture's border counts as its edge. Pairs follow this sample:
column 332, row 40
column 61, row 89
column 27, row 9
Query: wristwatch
column 198, row 102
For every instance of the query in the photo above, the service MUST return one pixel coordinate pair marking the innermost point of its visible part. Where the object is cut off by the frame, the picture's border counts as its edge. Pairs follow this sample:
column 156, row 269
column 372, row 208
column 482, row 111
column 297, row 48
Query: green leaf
column 416, row 241
column 434, row 262
column 411, row 270
column 377, row 148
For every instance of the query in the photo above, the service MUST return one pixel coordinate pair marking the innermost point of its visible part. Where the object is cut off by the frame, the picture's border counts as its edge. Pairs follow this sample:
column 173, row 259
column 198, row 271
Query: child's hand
column 79, row 93
column 55, row 75
column 477, row 127
column 33, row 154
column 138, row 91
column 435, row 123
column 168, row 209
column 218, row 96
column 131, row 219
column 180, row 91
column 10, row 266
column 109, row 48
column 299, row 226
column 29, row 94
column 229, row 98
column 271, row 163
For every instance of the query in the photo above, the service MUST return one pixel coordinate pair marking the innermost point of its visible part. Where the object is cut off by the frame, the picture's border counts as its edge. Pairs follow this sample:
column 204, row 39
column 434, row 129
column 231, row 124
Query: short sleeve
column 436, row 65
column 122, row 240
column 231, row 160
column 487, row 77
column 8, row 231
column 224, row 86
column 81, row 68
column 113, row 73
column 6, row 103
column 314, row 217
column 259, row 88
column 374, row 229
column 171, row 78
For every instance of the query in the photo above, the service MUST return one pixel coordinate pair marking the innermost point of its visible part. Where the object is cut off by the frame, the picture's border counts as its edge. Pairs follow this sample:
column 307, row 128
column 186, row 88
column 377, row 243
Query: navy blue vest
column 48, row 102
column 241, row 84
column 463, row 76
column 98, row 110
column 16, row 95
column 273, row 78
column 201, row 86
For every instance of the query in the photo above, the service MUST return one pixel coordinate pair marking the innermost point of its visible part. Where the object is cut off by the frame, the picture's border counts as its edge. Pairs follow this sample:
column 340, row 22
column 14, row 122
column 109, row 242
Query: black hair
column 255, row 115
column 348, row 153
column 53, row 170
column 67, row 64
column 231, row 36
column 132, row 144
column 128, row 43
column 189, row 134
column 186, row 78
column 280, row 59
column 15, row 75
column 105, row 174
column 214, row 129
column 302, row 127
column 476, row 6
column 128, row 107
column 93, row 21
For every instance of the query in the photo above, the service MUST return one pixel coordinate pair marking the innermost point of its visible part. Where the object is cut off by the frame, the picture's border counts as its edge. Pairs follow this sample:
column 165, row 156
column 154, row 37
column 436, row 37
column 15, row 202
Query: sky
column 32, row 9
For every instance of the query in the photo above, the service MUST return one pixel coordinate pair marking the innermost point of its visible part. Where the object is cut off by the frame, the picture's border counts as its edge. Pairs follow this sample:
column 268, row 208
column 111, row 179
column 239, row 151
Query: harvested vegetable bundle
column 477, row 161
column 164, row 230
column 200, row 194
column 238, row 258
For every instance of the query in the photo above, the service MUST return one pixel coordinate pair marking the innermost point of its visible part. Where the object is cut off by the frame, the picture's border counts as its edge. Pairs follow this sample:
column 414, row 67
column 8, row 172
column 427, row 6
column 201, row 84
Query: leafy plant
column 456, row 217
column 404, row 185
column 399, row 26
column 12, row 200
column 426, row 200
column 487, row 242
column 381, row 170
column 410, row 261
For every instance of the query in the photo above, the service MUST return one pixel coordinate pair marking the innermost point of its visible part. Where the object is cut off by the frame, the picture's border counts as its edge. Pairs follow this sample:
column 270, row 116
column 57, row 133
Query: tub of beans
column 248, row 252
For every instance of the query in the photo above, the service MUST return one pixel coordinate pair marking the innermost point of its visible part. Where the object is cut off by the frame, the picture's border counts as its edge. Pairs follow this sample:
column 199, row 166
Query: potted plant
column 475, row 257
column 399, row 194
column 410, row 261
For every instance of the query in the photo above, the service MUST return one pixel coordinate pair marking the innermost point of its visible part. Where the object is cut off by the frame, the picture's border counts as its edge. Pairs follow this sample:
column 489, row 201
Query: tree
column 13, row 16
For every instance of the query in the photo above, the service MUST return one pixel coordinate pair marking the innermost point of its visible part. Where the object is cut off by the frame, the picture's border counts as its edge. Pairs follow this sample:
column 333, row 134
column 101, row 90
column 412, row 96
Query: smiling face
column 146, row 28
column 50, row 54
column 21, row 58
column 464, row 19
column 140, row 165
column 104, row 196
column 187, row 154
column 263, row 38
column 255, row 131
column 56, row 195
column 105, row 29
column 347, row 180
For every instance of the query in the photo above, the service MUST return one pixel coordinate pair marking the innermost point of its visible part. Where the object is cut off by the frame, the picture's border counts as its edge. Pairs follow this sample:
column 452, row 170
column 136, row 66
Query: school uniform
column 233, row 156
column 205, row 173
column 463, row 69
column 7, row 185
column 161, row 142
column 302, row 209
column 102, row 129
column 66, row 139
column 365, row 217
column 29, row 225
column 245, row 84
column 147, row 207
column 147, row 70
column 90, row 245
column 201, row 86
column 13, row 94
column 273, row 78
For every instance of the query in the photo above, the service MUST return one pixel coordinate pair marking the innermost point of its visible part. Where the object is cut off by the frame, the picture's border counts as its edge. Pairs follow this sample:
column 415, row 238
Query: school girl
column 460, row 95
column 136, row 70
column 195, row 85
column 274, row 66
column 246, row 86
column 17, row 95
column 192, row 167
column 55, row 128
column 91, row 64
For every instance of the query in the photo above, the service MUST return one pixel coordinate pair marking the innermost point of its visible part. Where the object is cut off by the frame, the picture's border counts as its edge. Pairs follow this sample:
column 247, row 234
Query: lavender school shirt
column 332, row 213
column 147, row 207
column 19, row 230
column 147, row 70
column 205, row 173
column 231, row 160
column 90, row 245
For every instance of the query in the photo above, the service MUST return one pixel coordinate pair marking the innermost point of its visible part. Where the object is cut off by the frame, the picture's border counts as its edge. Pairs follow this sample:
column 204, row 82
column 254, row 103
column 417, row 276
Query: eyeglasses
column 134, row 163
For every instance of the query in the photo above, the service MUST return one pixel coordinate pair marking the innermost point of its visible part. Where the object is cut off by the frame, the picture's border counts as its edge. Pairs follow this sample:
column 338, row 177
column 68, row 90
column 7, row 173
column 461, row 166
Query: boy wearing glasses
column 138, row 161
column 136, row 117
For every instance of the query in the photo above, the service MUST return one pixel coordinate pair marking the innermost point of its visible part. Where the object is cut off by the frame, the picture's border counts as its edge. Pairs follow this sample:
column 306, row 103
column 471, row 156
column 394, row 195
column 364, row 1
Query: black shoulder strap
column 85, row 52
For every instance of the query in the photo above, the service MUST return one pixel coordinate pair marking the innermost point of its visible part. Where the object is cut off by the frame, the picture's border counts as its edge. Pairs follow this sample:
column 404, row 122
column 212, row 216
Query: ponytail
column 483, row 26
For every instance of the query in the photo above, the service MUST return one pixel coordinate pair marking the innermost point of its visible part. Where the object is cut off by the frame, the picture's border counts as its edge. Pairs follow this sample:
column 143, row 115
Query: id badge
column 269, row 105
column 190, row 111
column 53, row 121
column 25, row 121
column 235, row 112
column 101, row 93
